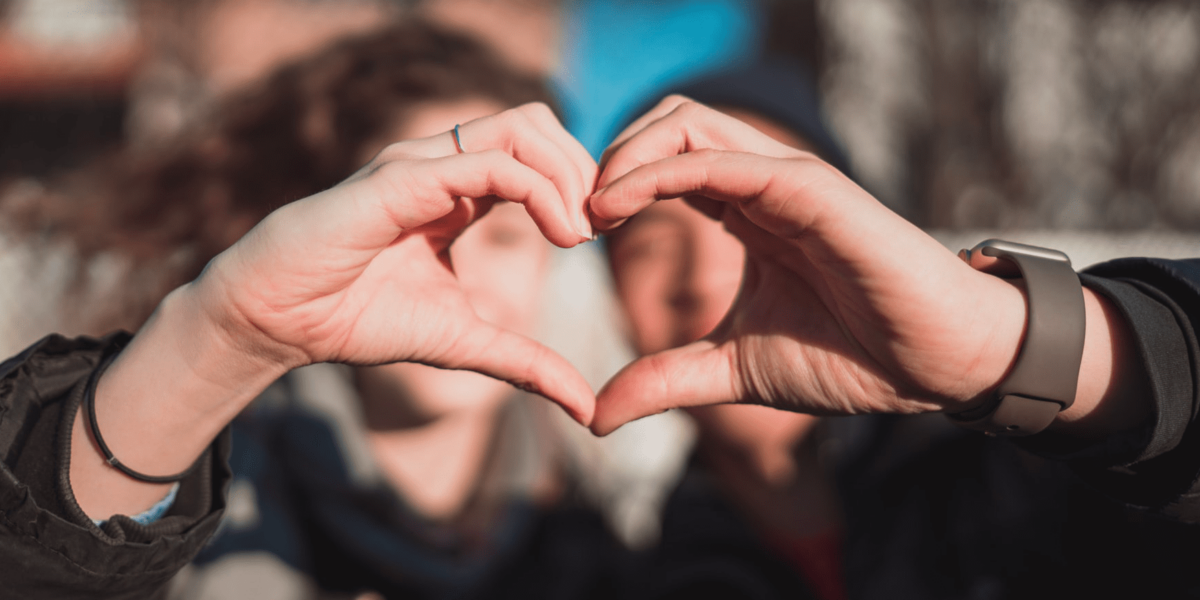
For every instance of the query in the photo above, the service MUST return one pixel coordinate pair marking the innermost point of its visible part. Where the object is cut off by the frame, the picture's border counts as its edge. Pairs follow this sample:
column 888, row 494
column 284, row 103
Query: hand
column 361, row 273
column 845, row 307
column 358, row 274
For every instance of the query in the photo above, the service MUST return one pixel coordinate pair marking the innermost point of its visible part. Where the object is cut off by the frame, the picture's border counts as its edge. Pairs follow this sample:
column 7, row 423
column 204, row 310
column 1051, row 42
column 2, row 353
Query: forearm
column 1112, row 395
column 1155, row 301
column 180, row 381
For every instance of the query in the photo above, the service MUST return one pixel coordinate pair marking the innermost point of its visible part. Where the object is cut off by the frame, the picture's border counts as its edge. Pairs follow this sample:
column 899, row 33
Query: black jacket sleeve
column 1155, row 465
column 48, row 547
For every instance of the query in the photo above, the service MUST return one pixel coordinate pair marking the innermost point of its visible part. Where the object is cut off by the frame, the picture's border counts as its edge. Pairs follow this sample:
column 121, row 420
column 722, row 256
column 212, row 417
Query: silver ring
column 458, row 141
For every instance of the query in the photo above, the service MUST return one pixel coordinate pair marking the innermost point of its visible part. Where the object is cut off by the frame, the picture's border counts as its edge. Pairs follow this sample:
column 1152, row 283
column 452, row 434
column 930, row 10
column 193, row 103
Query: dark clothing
column 932, row 512
column 48, row 547
column 308, row 493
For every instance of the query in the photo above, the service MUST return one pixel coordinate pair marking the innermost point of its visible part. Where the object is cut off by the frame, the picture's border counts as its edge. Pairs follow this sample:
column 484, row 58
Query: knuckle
column 388, row 169
column 538, row 109
column 676, row 100
column 390, row 152
column 812, row 165
column 514, row 117
column 394, row 152
column 394, row 174
column 708, row 154
column 690, row 109
column 493, row 157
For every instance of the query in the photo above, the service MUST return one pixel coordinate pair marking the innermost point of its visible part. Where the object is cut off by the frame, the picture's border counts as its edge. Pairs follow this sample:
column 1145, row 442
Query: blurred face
column 501, row 263
column 676, row 272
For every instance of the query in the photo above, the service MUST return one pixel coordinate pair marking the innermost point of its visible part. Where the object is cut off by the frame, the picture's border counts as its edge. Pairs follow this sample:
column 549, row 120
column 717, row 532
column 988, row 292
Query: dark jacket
column 928, row 516
column 937, row 512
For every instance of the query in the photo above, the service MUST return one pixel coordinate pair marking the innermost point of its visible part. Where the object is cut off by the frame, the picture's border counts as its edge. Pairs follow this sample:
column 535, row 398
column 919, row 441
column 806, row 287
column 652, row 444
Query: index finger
column 532, row 135
column 660, row 110
column 681, row 126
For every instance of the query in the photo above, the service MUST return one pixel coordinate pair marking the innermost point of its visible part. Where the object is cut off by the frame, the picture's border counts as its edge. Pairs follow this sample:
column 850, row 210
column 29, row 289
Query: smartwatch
column 1043, row 380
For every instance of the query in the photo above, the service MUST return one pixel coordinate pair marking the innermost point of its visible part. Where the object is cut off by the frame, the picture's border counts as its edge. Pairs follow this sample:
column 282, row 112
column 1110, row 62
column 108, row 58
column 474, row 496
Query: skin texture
column 358, row 274
column 677, row 273
column 831, row 317
column 845, row 308
column 500, row 263
column 430, row 429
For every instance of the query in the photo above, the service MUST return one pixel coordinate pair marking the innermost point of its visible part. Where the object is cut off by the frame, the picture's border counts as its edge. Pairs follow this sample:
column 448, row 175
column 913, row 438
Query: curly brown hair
column 304, row 129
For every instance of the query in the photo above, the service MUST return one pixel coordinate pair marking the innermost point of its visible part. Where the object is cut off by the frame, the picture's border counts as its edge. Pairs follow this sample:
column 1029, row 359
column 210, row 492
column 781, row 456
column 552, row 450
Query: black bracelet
column 90, row 400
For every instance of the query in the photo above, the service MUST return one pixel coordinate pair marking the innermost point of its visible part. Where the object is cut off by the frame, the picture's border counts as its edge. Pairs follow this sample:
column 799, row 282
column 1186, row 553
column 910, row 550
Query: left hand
column 361, row 273
column 357, row 274
column 845, row 307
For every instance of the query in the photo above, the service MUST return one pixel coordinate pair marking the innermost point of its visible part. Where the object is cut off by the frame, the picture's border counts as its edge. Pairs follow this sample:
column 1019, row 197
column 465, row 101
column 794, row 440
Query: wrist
column 1106, row 394
column 176, row 386
column 160, row 404
column 1043, row 380
column 222, row 319
column 1002, row 317
column 219, row 345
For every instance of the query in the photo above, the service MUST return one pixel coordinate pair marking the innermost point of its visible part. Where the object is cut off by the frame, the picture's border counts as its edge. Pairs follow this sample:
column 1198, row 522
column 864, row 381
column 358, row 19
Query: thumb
column 528, row 365
column 698, row 374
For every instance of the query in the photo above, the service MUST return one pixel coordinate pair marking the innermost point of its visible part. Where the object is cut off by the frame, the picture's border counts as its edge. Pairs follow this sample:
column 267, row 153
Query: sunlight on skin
column 825, row 323
column 298, row 290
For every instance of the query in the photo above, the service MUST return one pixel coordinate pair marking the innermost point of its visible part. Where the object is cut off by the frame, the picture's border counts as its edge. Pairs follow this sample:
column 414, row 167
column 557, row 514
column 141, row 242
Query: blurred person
column 676, row 273
column 527, row 34
column 401, row 478
column 319, row 281
column 167, row 213
column 200, row 52
column 835, row 316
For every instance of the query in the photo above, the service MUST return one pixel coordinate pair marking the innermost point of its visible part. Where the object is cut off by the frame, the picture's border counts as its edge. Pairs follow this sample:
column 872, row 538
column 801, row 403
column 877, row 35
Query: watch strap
column 1044, row 378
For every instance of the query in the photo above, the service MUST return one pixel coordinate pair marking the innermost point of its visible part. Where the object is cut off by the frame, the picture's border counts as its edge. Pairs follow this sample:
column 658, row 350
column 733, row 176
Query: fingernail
column 583, row 227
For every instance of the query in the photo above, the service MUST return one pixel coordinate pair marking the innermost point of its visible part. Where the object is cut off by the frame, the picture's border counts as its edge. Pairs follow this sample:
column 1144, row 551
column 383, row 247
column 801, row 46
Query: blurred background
column 1068, row 123
column 1003, row 115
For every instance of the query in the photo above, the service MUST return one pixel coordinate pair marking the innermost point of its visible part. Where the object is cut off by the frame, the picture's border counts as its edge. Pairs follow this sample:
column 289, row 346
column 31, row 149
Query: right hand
column 361, row 273
column 845, row 307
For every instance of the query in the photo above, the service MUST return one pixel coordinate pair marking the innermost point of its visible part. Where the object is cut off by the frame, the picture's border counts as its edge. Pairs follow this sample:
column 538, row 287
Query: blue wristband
column 153, row 513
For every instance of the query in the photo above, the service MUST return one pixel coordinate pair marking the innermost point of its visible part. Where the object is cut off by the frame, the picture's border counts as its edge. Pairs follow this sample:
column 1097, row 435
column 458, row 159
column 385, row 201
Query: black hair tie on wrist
column 89, row 398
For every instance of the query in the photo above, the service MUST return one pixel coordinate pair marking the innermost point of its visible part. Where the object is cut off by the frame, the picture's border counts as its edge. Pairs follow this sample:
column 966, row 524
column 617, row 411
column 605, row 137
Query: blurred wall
column 999, row 114
column 1079, row 114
